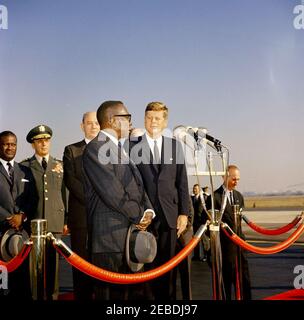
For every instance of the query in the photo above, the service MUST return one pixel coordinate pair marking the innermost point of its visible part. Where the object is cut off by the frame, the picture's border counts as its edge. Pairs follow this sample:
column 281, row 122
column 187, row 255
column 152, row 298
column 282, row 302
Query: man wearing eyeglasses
column 114, row 197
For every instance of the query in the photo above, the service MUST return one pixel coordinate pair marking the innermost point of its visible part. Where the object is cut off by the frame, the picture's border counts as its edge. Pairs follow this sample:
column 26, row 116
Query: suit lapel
column 4, row 172
column 148, row 156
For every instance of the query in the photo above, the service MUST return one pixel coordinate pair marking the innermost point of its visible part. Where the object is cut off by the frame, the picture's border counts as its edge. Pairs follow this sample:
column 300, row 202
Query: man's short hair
column 7, row 133
column 157, row 106
column 233, row 167
column 103, row 110
column 85, row 115
column 196, row 185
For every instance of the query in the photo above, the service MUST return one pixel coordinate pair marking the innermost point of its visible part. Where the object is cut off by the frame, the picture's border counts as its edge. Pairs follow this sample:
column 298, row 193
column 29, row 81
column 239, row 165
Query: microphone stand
column 214, row 227
column 214, row 215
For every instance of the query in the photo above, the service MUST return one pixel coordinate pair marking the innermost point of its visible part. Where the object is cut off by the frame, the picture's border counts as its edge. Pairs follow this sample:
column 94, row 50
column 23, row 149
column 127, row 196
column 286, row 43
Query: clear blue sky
column 235, row 67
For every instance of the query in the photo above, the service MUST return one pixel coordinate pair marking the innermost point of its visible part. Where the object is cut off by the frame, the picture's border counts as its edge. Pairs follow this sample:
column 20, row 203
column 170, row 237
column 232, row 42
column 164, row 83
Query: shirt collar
column 159, row 142
column 226, row 190
column 4, row 163
column 39, row 159
column 112, row 138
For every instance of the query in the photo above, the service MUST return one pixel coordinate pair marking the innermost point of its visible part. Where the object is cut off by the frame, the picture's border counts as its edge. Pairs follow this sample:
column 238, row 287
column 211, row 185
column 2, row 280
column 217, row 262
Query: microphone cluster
column 198, row 133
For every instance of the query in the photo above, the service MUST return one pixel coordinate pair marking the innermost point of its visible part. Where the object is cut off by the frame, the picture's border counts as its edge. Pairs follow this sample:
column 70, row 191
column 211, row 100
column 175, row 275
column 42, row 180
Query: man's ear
column 81, row 126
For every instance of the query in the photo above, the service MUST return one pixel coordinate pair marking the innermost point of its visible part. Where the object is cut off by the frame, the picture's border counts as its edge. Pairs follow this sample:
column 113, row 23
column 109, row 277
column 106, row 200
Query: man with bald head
column 115, row 197
column 77, row 220
column 229, row 249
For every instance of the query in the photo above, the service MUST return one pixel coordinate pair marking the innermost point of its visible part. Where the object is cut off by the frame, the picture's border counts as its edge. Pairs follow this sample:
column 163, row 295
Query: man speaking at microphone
column 161, row 164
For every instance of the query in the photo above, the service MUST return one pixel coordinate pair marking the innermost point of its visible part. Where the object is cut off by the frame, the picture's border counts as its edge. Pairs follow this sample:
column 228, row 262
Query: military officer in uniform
column 48, row 175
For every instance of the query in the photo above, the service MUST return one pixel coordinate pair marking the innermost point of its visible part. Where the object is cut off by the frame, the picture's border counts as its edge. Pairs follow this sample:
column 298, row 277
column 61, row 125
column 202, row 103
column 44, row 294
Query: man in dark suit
column 18, row 202
column 161, row 164
column 114, row 196
column 77, row 219
column 229, row 249
column 48, row 174
column 199, row 219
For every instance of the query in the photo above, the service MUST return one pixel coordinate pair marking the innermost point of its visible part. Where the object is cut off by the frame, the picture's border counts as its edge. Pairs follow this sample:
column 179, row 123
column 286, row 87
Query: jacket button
column 46, row 199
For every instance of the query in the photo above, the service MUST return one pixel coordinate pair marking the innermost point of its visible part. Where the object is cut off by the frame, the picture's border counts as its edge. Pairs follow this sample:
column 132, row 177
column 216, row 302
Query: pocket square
column 24, row 180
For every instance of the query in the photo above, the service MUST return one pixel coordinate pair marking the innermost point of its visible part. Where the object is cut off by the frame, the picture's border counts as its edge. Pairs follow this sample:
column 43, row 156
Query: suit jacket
column 19, row 197
column 114, row 195
column 166, row 184
column 198, row 211
column 73, row 179
column 228, row 248
column 51, row 193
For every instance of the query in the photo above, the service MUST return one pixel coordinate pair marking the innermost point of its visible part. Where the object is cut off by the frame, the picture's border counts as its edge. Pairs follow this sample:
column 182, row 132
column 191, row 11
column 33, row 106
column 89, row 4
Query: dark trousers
column 184, row 269
column 163, row 288
column 229, row 277
column 112, row 262
column 82, row 283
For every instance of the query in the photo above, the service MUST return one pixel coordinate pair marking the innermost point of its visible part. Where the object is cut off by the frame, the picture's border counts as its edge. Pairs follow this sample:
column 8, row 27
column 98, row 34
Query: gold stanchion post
column 37, row 259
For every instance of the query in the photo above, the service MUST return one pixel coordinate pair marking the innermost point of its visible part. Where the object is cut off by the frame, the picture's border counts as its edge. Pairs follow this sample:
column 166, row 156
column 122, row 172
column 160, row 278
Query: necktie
column 10, row 172
column 231, row 198
column 44, row 163
column 156, row 153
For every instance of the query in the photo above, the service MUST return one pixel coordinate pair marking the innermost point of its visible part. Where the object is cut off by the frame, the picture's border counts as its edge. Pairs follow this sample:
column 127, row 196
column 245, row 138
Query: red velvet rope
column 278, row 231
column 13, row 264
column 120, row 278
column 270, row 250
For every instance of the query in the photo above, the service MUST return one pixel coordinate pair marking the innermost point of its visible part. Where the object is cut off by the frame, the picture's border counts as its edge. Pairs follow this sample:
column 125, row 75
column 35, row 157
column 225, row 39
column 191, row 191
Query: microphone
column 202, row 133
column 181, row 133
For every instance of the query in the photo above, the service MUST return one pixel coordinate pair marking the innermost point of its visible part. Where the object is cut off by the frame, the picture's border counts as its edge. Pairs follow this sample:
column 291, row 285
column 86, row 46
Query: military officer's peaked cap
column 39, row 132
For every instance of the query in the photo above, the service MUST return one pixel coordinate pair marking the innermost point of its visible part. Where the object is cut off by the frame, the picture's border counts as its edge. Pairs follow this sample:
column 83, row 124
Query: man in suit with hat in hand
column 18, row 201
column 48, row 174
column 115, row 197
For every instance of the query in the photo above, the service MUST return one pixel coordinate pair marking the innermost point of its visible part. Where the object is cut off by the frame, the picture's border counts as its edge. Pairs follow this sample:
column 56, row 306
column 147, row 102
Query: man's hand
column 66, row 230
column 182, row 221
column 15, row 220
column 145, row 221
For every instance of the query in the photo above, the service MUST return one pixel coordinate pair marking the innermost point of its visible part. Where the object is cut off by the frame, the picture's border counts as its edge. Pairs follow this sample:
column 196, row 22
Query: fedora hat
column 141, row 248
column 11, row 243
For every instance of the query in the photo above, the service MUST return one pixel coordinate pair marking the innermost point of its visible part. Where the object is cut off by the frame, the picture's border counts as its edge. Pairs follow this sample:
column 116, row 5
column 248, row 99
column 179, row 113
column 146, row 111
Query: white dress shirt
column 159, row 143
column 39, row 159
column 4, row 163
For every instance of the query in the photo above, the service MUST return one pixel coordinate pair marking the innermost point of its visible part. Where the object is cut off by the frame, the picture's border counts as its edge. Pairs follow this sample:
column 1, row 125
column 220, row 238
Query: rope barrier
column 278, row 231
column 14, row 263
column 119, row 278
column 270, row 250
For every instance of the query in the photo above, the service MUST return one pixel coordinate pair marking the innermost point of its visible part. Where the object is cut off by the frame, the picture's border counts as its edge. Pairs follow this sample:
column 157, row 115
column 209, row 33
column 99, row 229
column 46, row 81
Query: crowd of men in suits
column 114, row 180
